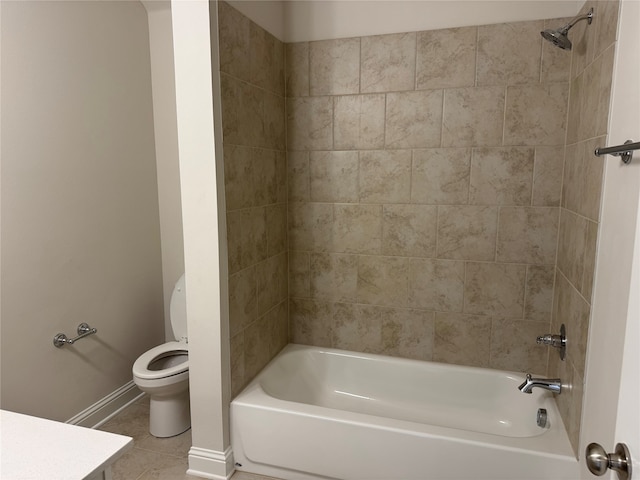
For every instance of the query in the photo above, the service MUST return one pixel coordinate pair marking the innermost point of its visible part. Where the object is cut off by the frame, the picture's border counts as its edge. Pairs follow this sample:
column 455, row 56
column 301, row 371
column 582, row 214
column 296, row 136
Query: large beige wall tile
column 509, row 53
column 536, row 114
column 298, row 178
column 265, row 176
column 462, row 339
column 334, row 276
column 573, row 178
column 385, row 176
column 272, row 279
column 274, row 121
column 256, row 347
column 236, row 349
column 234, row 42
column 388, row 62
column 572, row 245
column 596, row 95
column 513, row 346
column 310, row 226
column 297, row 69
column 247, row 237
column 473, row 116
column 606, row 27
column 436, row 284
column 281, row 177
column 413, row 119
column 501, row 176
column 467, row 232
column 357, row 229
column 278, row 321
column 494, row 289
column 334, row 67
column 359, row 121
column 310, row 123
column 574, row 118
column 446, row 58
column 409, row 230
column 538, row 299
column 441, row 176
column 589, row 260
column 310, row 322
column 570, row 401
column 276, row 229
column 527, row 235
column 571, row 309
column 242, row 112
column 243, row 307
column 582, row 184
column 334, row 176
column 299, row 274
column 547, row 176
column 238, row 177
column 266, row 60
column 405, row 332
column 383, row 280
column 355, row 332
column 592, row 175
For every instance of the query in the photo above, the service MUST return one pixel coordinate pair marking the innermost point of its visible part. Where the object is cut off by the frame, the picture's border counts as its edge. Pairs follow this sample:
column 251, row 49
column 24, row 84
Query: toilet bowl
column 163, row 373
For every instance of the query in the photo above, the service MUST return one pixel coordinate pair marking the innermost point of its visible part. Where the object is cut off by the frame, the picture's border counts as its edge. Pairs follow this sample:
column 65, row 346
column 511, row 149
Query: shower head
column 559, row 37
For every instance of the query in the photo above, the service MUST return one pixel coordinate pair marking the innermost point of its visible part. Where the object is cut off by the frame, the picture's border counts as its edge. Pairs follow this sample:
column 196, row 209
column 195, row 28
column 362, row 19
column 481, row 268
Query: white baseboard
column 108, row 407
column 211, row 463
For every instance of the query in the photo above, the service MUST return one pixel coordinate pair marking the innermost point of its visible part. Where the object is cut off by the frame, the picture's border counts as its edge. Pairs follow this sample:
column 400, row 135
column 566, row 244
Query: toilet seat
column 141, row 366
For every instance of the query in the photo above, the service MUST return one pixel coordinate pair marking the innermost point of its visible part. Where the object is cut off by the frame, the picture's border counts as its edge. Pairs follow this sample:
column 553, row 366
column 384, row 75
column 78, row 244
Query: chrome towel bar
column 624, row 151
column 84, row 330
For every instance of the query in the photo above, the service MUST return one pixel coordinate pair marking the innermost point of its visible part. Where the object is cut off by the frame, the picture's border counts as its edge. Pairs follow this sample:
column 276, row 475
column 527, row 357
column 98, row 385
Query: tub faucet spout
column 552, row 384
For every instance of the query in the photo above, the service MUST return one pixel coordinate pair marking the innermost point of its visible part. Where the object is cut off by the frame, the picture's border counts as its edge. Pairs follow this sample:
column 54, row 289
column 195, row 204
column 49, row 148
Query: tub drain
column 541, row 418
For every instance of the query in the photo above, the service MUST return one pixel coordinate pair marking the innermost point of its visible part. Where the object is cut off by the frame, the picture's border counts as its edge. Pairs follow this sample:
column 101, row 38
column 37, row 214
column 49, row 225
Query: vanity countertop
column 36, row 448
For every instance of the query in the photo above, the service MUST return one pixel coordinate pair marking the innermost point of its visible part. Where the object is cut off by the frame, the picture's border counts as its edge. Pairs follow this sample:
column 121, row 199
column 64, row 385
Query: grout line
column 475, row 77
column 498, row 212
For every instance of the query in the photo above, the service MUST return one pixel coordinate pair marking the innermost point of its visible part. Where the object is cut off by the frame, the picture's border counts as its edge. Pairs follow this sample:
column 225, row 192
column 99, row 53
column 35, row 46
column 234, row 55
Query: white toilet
column 163, row 373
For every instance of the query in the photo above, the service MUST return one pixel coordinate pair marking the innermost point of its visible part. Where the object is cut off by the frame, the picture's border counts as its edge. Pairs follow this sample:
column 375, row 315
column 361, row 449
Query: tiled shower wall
column 424, row 179
column 591, row 74
column 252, row 81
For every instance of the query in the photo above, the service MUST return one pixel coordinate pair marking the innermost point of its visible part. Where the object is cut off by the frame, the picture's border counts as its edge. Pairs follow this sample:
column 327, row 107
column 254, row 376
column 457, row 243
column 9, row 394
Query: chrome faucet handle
column 557, row 341
column 549, row 339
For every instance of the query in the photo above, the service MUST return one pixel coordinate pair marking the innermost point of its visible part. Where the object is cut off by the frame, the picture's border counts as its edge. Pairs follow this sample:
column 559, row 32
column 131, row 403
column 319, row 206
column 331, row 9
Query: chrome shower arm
column 587, row 16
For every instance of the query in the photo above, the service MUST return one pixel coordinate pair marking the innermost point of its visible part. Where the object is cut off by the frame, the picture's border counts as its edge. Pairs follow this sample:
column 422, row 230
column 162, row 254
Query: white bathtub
column 324, row 413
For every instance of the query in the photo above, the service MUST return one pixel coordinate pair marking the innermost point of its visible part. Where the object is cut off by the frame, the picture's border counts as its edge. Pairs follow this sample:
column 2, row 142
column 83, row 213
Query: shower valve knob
column 557, row 341
column 548, row 339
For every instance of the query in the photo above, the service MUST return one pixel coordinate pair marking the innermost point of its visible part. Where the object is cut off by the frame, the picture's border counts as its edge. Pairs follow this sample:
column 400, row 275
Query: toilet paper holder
column 84, row 330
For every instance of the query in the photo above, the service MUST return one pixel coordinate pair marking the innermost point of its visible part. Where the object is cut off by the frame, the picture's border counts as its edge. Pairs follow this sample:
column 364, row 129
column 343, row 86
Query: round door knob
column 598, row 460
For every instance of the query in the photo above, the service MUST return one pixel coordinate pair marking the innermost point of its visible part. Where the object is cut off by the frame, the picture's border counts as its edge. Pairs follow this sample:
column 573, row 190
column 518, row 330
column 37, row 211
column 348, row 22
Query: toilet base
column 169, row 415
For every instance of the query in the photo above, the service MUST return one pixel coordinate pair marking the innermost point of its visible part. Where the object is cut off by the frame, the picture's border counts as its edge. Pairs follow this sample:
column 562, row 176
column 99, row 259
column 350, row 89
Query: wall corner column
column 204, row 242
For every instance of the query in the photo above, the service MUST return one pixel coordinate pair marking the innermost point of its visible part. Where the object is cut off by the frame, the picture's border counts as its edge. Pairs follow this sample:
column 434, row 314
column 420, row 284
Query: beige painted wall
column 80, row 232
column 330, row 19
column 166, row 142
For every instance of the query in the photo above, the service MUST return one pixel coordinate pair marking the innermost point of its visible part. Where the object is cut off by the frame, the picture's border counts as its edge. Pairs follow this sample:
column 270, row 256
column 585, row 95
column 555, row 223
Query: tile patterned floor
column 153, row 458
